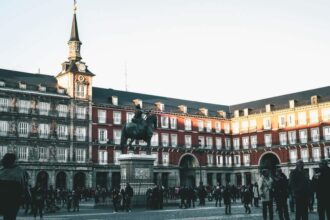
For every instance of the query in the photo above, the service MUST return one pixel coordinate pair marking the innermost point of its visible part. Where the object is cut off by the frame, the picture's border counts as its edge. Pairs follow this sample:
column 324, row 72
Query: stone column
column 69, row 180
column 89, row 179
column 214, row 179
column 109, row 180
column 223, row 179
column 243, row 178
column 52, row 178
column 233, row 179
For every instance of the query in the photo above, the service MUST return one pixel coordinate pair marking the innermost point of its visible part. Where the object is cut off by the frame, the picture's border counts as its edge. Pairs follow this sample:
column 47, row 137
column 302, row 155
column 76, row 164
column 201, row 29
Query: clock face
column 81, row 78
column 82, row 67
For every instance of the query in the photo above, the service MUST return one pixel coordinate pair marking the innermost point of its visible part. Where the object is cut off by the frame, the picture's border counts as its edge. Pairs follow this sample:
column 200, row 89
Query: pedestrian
column 301, row 190
column 227, row 199
column 281, row 194
column 217, row 196
column 76, row 200
column 149, row 198
column 256, row 194
column 69, row 201
column 183, row 197
column 191, row 197
column 266, row 189
column 247, row 197
column 28, row 200
column 129, row 195
column 322, row 183
column 115, row 198
column 38, row 201
column 201, row 194
column 13, row 187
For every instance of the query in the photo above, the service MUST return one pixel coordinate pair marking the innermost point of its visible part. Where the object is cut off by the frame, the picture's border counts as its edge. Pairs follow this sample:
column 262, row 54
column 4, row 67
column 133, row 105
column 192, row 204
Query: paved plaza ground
column 209, row 212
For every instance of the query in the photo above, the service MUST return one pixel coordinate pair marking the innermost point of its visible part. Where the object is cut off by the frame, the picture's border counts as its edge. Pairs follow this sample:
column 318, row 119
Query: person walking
column 38, row 201
column 227, row 199
column 247, row 197
column 115, row 198
column 281, row 194
column 13, row 186
column 300, row 187
column 201, row 194
column 265, row 189
column 256, row 195
column 76, row 200
column 321, row 185
column 217, row 196
column 129, row 195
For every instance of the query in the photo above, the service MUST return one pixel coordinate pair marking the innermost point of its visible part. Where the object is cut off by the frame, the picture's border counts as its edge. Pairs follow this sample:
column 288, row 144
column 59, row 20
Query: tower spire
column 74, row 42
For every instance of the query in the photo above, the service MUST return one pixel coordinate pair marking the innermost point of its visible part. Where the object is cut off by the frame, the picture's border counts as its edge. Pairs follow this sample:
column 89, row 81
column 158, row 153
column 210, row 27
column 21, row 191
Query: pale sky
column 217, row 51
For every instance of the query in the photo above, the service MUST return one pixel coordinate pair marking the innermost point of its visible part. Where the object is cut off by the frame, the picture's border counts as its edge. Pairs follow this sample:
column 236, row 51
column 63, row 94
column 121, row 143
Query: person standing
column 115, row 198
column 247, row 197
column 265, row 189
column 256, row 195
column 217, row 196
column 227, row 199
column 129, row 195
column 281, row 194
column 13, row 186
column 322, row 183
column 201, row 194
column 300, row 187
column 38, row 201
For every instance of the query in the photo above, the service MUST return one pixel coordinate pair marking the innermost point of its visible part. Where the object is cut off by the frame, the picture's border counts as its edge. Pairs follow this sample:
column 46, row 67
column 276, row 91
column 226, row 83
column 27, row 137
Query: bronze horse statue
column 141, row 130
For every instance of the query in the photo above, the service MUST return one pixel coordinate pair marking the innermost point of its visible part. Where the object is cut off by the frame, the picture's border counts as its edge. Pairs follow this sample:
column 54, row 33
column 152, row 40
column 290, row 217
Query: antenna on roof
column 126, row 76
column 39, row 70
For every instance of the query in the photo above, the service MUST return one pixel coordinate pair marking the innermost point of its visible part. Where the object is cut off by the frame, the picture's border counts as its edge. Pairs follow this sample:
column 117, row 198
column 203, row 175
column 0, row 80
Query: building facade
column 66, row 133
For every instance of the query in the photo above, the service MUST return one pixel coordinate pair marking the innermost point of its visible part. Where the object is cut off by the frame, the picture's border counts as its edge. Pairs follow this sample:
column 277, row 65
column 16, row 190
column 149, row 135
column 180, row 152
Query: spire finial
column 74, row 6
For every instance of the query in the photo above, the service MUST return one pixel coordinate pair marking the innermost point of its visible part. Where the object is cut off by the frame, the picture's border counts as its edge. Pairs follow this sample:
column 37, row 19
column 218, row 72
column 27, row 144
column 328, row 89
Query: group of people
column 122, row 198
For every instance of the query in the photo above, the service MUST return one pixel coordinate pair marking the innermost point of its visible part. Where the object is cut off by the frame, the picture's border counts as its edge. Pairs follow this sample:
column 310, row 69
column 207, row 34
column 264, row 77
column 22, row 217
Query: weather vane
column 74, row 6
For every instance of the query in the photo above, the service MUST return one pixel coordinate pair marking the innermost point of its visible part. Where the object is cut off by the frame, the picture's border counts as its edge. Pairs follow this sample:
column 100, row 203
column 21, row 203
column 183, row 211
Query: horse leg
column 148, row 150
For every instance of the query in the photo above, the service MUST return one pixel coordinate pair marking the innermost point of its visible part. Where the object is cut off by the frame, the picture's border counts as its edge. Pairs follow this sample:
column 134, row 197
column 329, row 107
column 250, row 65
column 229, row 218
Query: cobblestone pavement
column 209, row 212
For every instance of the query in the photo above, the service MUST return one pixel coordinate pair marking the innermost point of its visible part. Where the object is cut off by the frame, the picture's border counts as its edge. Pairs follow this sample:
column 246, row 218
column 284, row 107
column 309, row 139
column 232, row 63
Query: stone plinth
column 137, row 170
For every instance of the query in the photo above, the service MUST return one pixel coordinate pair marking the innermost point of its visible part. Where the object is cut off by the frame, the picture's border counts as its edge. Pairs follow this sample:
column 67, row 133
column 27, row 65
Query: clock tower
column 75, row 76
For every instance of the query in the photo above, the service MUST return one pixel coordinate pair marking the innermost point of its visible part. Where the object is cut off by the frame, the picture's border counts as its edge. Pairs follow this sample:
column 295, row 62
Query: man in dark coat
column 281, row 194
column 13, row 187
column 227, row 199
column 128, row 194
column 299, row 185
column 322, row 184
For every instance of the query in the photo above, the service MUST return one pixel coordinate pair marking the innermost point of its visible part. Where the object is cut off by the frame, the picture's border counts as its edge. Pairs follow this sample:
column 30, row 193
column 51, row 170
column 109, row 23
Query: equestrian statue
column 139, row 128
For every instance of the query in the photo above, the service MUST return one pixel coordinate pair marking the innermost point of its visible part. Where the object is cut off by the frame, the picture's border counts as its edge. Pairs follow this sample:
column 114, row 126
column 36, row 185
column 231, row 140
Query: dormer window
column 222, row 114
column 22, row 85
column 160, row 106
column 114, row 100
column 292, row 103
column 2, row 84
column 183, row 109
column 269, row 107
column 137, row 102
column 42, row 88
column 60, row 90
column 204, row 111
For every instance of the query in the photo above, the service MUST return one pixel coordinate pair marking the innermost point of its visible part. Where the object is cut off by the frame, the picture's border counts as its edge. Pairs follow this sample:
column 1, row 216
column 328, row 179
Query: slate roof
column 74, row 29
column 103, row 96
column 281, row 102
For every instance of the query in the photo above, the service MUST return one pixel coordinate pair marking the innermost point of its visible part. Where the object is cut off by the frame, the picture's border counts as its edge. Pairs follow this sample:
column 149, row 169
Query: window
column 44, row 108
column 174, row 140
column 315, row 133
column 303, row 136
column 201, row 141
column 227, row 143
column 253, row 124
column 164, row 121
column 81, row 90
column 103, row 135
column 62, row 110
column 173, row 122
column 327, row 152
column 187, row 124
column 165, row 158
column 302, row 118
column 80, row 133
column 326, row 133
column 283, row 138
column 268, row 140
column 116, row 156
column 208, row 126
column 209, row 142
column 129, row 116
column 219, row 160
column 237, row 160
column 227, row 128
column 281, row 121
column 236, row 143
column 209, row 159
column 187, row 141
column 200, row 125
column 23, row 106
column 80, row 155
column 103, row 157
column 22, row 153
column 102, row 117
column 165, row 140
column 23, row 129
column 292, row 137
column 253, row 140
column 3, row 151
column 313, row 117
column 116, row 136
column 245, row 141
column 62, row 131
column 246, row 159
column 155, row 155
column 293, row 156
column 218, row 143
column 22, row 85
column 235, row 127
column 43, row 153
column 245, row 126
column 4, row 104
column 316, row 153
column 326, row 114
column 117, row 118
column 291, row 120
column 61, row 154
column 218, row 127
column 155, row 139
column 267, row 123
column 228, row 160
column 81, row 112
column 2, row 84
column 43, row 130
column 4, row 125
column 304, row 154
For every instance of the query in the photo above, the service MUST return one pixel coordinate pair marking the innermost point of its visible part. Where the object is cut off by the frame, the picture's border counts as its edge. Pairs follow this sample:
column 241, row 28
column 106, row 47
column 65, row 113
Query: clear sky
column 217, row 51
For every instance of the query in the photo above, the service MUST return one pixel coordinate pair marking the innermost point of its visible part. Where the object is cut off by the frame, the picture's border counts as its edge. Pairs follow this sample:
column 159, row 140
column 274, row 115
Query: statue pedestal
column 137, row 170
